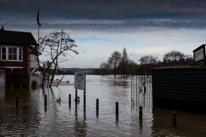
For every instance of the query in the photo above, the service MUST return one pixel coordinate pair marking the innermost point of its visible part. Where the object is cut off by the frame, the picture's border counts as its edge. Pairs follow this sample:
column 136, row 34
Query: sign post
column 200, row 55
column 80, row 83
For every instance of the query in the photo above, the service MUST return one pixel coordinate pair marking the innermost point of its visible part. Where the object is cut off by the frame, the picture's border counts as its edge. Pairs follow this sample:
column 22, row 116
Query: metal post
column 131, row 92
column 45, row 100
column 117, row 111
column 144, row 89
column 69, row 101
column 140, row 112
column 97, row 107
column 117, row 108
column 97, row 104
column 84, row 99
column 174, row 118
column 69, row 98
column 75, row 96
column 17, row 101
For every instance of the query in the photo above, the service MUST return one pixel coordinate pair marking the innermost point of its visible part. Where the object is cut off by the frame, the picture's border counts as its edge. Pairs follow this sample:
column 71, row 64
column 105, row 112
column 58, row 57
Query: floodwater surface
column 62, row 119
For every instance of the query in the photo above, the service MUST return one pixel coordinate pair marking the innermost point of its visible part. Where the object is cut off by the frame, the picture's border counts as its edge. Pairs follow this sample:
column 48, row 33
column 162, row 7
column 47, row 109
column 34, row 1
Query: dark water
column 60, row 119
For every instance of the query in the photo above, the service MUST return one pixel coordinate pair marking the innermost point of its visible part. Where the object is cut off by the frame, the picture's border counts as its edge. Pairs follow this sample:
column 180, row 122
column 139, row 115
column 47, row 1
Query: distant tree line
column 120, row 64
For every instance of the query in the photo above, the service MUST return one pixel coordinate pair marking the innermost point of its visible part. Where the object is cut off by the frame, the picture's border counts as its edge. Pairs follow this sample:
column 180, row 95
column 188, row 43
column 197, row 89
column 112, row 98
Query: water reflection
column 142, row 97
column 80, row 125
column 32, row 118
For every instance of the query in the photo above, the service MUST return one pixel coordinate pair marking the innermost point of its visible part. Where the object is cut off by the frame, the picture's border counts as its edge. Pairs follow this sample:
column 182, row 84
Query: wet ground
column 62, row 119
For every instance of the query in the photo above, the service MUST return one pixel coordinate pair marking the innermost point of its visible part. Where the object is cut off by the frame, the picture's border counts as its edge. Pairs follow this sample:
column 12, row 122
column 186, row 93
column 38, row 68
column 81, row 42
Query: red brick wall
column 23, row 64
column 18, row 73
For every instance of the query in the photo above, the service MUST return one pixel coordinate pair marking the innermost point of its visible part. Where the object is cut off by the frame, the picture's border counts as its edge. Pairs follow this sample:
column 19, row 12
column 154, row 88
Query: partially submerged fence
column 141, row 89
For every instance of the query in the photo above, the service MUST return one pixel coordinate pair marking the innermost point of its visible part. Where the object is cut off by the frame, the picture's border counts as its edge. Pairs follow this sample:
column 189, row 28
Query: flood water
column 61, row 119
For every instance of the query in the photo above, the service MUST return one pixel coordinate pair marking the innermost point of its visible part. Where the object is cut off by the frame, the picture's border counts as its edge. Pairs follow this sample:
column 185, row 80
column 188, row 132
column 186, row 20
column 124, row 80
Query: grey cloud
column 131, row 13
column 122, row 26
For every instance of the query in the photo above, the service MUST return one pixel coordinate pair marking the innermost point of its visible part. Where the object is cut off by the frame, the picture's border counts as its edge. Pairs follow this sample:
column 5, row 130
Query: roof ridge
column 14, row 31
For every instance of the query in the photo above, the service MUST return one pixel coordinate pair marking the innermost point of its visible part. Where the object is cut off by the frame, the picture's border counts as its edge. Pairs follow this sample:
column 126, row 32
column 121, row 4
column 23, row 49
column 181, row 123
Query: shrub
column 33, row 83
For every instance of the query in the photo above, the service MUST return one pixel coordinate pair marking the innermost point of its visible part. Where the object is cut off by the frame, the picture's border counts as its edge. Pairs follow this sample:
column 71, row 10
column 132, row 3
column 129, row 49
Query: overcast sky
column 100, row 27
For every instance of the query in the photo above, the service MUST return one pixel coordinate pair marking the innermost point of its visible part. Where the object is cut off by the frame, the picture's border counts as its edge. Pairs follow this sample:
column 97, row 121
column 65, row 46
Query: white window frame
column 12, row 54
column 17, row 54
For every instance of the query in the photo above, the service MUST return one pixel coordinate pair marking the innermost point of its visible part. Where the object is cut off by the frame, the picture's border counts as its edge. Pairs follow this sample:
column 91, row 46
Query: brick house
column 15, row 57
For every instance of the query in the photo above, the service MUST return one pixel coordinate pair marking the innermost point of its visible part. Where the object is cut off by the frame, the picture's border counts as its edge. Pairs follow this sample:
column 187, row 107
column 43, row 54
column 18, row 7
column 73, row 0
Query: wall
column 184, row 87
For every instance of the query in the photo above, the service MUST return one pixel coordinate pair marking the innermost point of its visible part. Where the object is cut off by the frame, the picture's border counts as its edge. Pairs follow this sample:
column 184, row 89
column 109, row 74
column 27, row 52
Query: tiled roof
column 16, row 38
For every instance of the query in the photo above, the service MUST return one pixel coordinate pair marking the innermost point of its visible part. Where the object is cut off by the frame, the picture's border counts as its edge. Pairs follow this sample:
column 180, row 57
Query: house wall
column 23, row 63
column 18, row 75
column 33, row 61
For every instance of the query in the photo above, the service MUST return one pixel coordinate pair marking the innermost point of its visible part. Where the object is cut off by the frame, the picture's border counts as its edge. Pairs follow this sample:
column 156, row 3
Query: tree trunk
column 62, row 78
column 53, row 74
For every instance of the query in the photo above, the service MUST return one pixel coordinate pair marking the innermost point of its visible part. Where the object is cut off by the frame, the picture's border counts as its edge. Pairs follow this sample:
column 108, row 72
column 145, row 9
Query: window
column 3, row 53
column 12, row 53
column 20, row 53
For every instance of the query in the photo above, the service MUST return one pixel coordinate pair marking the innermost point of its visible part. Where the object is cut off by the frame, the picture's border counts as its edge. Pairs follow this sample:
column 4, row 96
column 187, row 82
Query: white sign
column 80, row 80
column 199, row 55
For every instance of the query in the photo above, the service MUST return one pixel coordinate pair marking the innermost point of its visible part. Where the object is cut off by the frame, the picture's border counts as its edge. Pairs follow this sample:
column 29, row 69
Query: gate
column 138, row 87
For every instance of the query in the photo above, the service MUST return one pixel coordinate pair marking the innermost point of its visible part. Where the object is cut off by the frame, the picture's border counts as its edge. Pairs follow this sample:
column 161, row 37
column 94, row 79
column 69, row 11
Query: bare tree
column 147, row 63
column 173, row 56
column 114, row 61
column 132, row 65
column 148, row 60
column 188, row 60
column 124, row 62
column 56, row 45
column 104, row 68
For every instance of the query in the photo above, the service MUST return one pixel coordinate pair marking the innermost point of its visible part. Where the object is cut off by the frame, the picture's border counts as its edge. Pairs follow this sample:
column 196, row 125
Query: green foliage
column 33, row 83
